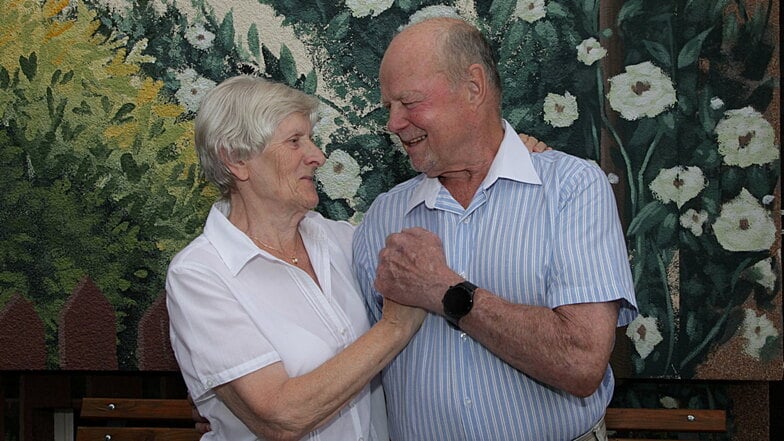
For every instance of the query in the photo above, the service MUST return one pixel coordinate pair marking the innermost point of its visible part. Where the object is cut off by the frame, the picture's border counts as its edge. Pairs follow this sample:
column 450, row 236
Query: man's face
column 426, row 112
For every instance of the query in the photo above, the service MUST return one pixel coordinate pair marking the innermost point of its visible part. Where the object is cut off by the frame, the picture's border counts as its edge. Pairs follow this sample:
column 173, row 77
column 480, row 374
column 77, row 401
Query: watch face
column 458, row 301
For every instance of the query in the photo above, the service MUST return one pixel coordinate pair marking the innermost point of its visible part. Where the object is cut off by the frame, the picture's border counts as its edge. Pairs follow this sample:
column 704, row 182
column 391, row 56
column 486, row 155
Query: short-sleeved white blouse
column 234, row 309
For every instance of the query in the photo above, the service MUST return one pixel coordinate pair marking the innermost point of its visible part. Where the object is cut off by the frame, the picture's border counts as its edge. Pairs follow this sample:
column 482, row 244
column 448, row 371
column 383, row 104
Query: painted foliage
column 675, row 99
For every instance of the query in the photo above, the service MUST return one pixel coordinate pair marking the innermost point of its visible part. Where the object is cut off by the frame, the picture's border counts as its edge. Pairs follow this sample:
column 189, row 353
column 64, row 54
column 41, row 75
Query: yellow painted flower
column 744, row 225
column 432, row 12
column 363, row 8
column 199, row 37
column 193, row 88
column 762, row 273
column 644, row 332
column 643, row 90
column 756, row 331
column 560, row 110
column 678, row 184
column 339, row 176
column 590, row 51
column 530, row 10
column 693, row 220
column 746, row 138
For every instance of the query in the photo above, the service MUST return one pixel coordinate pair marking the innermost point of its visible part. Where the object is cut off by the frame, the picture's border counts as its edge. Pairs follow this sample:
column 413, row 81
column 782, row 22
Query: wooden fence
column 87, row 334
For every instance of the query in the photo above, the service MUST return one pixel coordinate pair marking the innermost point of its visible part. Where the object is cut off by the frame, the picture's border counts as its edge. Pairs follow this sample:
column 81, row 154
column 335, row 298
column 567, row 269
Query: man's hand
column 533, row 144
column 412, row 270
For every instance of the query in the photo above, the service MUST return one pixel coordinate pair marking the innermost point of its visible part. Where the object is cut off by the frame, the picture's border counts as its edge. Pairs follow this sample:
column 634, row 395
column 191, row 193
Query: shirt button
column 361, row 439
column 343, row 332
column 468, row 402
column 463, row 336
column 462, row 274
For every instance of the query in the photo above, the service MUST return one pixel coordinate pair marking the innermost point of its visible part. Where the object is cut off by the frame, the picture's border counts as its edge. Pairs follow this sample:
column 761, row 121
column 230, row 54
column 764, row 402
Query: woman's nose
column 316, row 155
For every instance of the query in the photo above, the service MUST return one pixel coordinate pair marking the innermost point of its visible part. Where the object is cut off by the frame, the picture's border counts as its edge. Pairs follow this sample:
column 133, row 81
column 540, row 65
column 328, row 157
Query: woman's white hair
column 236, row 121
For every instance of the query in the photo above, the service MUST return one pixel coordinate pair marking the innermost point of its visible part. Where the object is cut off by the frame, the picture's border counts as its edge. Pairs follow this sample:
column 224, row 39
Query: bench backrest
column 154, row 420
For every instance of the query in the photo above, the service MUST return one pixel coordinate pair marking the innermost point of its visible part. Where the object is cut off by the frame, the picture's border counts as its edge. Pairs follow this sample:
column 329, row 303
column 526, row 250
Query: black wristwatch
column 458, row 301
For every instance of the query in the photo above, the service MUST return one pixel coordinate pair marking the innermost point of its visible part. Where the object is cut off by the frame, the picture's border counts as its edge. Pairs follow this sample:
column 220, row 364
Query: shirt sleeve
column 214, row 339
column 590, row 257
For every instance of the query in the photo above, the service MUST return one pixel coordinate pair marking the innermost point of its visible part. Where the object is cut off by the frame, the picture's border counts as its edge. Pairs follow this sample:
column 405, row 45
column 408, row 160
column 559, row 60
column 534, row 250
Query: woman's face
column 283, row 173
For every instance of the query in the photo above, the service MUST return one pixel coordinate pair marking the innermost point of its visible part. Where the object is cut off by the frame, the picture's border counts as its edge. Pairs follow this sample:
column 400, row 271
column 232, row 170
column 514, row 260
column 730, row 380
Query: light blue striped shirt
column 542, row 229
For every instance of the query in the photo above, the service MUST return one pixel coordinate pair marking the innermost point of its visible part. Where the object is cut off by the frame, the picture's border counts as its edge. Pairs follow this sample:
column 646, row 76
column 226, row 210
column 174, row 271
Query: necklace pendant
column 294, row 260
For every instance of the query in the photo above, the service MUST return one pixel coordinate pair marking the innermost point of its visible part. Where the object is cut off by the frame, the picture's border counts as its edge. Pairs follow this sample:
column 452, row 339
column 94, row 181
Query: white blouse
column 234, row 309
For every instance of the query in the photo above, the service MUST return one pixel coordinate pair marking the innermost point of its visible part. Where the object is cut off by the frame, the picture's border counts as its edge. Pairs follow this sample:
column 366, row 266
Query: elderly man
column 520, row 259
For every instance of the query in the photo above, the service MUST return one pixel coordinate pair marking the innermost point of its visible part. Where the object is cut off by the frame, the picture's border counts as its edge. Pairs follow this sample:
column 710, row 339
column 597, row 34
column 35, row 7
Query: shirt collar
column 513, row 162
column 234, row 247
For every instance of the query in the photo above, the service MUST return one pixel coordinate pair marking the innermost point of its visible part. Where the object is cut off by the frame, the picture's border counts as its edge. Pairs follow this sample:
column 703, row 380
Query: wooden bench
column 623, row 421
column 137, row 419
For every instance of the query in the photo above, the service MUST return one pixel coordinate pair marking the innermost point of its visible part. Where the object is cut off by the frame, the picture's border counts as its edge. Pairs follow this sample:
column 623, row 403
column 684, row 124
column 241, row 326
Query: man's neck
column 463, row 184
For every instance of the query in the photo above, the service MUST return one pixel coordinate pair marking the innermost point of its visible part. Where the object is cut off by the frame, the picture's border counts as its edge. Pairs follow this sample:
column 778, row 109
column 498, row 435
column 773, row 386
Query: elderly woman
column 267, row 323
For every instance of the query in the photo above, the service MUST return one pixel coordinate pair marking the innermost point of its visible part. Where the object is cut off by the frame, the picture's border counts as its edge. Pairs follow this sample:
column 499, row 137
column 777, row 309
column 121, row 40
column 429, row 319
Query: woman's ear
column 238, row 168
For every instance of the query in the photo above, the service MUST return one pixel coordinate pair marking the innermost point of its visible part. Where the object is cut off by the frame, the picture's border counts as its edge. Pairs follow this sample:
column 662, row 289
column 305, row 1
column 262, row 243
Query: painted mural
column 676, row 99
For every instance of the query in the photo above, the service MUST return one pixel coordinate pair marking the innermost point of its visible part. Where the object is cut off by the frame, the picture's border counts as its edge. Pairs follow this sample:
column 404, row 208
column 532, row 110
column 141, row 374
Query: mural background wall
column 676, row 99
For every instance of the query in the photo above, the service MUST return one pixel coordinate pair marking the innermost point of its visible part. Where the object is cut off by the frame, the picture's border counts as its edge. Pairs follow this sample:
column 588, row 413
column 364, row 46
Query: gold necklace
column 293, row 258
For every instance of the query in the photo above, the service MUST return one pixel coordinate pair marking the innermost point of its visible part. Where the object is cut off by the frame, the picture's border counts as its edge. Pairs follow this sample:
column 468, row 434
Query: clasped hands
column 412, row 270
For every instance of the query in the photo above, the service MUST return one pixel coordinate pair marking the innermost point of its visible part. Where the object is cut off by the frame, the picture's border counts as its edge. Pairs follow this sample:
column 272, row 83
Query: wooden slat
column 136, row 409
column 135, row 434
column 666, row 420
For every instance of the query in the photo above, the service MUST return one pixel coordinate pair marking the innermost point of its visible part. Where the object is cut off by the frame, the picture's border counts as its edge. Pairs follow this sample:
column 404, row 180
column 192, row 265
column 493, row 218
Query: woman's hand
column 407, row 318
column 202, row 425
column 533, row 144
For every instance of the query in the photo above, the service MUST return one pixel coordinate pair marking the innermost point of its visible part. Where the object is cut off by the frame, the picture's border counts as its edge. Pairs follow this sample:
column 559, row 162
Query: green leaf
column 131, row 169
column 501, row 10
column 758, row 182
column 5, row 80
column 406, row 5
column 29, row 65
column 589, row 7
column 667, row 229
column 629, row 10
column 67, row 77
column 666, row 120
column 311, row 83
column 337, row 29
column 288, row 66
column 691, row 50
column 557, row 10
column 732, row 181
column 644, row 133
column 226, row 31
column 658, row 52
column 122, row 115
column 253, row 41
column 650, row 216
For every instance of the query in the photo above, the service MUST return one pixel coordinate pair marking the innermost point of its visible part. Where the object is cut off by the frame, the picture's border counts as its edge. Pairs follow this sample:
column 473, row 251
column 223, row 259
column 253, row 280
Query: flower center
column 677, row 182
column 744, row 224
column 745, row 140
column 338, row 168
column 640, row 87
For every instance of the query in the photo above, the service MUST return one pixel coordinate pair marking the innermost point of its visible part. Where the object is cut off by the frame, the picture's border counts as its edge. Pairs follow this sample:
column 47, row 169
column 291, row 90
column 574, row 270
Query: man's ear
column 477, row 84
column 238, row 168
